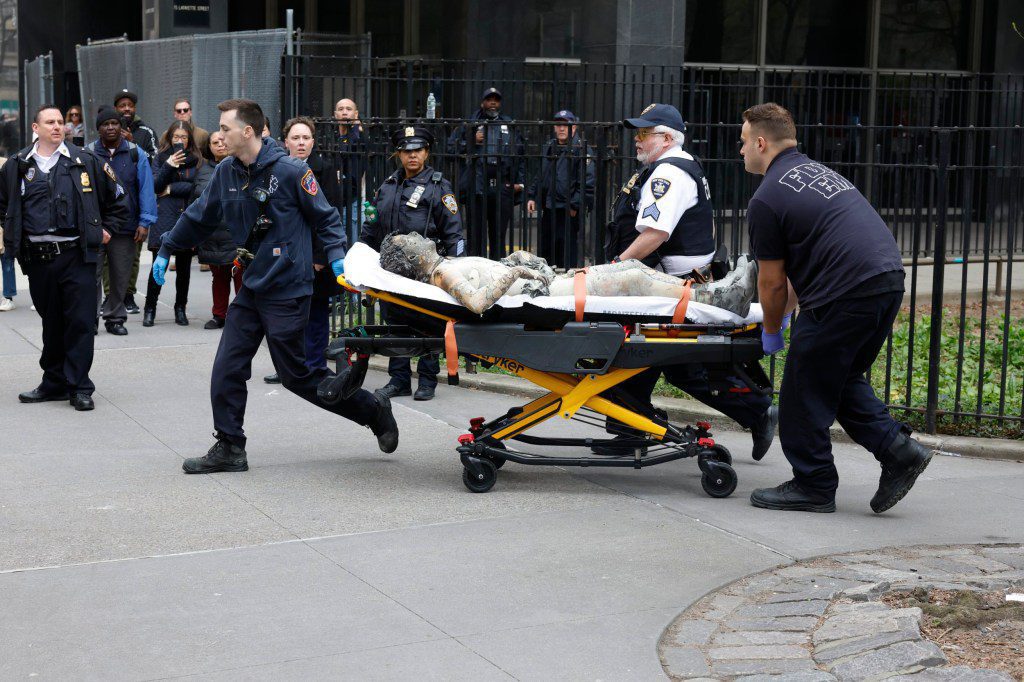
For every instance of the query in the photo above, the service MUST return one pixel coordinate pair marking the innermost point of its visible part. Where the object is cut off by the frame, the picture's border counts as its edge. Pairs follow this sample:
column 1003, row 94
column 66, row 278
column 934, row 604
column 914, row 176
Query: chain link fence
column 205, row 69
column 38, row 90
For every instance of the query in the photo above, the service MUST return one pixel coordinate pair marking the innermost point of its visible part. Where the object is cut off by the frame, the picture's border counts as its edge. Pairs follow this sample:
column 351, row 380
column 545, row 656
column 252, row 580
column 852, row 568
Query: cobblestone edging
column 823, row 620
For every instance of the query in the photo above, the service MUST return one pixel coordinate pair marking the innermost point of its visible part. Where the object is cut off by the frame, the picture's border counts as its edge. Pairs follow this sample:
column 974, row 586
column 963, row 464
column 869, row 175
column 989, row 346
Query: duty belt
column 44, row 252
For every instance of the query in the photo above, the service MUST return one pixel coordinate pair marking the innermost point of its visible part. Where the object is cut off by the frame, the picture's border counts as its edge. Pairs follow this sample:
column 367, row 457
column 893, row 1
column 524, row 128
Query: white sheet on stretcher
column 363, row 271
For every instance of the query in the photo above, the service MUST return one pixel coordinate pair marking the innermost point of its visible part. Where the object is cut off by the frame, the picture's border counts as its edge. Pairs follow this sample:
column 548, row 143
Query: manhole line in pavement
column 825, row 619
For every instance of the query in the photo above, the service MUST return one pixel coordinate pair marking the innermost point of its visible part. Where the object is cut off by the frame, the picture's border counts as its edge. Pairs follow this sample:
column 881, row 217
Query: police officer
column 663, row 217
column 810, row 225
column 492, row 181
column 272, row 204
column 564, row 186
column 415, row 198
column 59, row 204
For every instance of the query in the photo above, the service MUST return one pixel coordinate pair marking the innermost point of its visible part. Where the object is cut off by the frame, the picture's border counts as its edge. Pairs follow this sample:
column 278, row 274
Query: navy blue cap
column 490, row 92
column 657, row 115
column 410, row 137
column 565, row 115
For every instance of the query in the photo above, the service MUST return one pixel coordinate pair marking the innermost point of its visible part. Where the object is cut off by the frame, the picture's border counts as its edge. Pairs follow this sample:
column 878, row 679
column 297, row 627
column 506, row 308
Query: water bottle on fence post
column 431, row 106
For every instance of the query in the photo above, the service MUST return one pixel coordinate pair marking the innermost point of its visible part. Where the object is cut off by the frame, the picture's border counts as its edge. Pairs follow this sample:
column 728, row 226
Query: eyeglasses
column 183, row 111
column 643, row 133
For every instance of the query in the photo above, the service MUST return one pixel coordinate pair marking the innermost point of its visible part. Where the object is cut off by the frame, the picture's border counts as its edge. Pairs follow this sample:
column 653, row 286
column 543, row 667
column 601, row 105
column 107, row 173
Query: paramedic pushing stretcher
column 271, row 204
column 663, row 217
column 809, row 224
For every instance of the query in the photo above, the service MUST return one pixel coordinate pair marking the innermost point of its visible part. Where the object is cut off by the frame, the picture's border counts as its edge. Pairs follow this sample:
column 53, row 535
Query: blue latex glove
column 786, row 320
column 159, row 269
column 772, row 343
column 338, row 267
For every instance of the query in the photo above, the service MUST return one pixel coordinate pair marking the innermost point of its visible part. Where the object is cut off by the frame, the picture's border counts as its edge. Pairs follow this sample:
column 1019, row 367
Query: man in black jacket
column 59, row 203
column 564, row 186
column 493, row 172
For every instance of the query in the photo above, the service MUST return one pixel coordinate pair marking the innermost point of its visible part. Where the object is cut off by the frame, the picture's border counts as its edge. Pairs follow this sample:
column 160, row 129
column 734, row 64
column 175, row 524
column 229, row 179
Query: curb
column 683, row 410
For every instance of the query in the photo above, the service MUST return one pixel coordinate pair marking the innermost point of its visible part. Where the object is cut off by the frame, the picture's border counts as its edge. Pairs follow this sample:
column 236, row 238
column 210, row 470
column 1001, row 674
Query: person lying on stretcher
column 477, row 283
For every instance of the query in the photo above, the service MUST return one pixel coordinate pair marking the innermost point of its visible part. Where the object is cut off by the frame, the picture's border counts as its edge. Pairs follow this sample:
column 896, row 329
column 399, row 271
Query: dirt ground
column 977, row 629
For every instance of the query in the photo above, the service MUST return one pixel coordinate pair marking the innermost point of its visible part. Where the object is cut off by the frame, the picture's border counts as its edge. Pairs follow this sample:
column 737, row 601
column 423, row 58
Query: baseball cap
column 491, row 92
column 657, row 115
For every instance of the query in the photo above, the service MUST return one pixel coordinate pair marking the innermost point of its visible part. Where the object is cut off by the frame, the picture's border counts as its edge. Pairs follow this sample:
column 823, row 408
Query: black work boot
column 223, row 456
column 791, row 497
column 763, row 432
column 390, row 390
column 424, row 392
column 905, row 460
column 149, row 317
column 179, row 316
column 384, row 425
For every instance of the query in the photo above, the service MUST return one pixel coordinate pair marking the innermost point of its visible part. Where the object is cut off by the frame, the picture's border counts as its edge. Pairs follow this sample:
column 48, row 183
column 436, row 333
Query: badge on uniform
column 277, row 251
column 109, row 171
column 309, row 184
column 29, row 174
column 410, row 131
column 449, row 202
column 85, row 182
column 659, row 186
column 629, row 185
column 417, row 194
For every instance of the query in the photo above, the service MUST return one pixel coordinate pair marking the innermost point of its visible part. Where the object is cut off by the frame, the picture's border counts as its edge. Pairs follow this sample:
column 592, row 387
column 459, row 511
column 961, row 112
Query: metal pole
column 289, row 15
column 938, row 272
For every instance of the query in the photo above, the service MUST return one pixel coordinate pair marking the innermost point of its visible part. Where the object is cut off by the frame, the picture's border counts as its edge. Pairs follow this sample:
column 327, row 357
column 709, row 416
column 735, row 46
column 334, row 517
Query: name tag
column 417, row 194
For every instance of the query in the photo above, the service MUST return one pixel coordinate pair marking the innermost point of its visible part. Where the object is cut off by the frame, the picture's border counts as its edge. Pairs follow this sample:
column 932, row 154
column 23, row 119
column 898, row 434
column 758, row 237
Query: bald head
column 346, row 110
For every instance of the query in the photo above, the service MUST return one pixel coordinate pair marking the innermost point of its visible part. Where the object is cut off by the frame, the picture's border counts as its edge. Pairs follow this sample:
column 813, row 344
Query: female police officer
column 415, row 198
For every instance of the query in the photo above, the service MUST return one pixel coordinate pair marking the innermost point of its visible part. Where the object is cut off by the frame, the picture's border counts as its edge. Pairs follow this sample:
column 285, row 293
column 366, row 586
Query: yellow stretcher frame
column 566, row 395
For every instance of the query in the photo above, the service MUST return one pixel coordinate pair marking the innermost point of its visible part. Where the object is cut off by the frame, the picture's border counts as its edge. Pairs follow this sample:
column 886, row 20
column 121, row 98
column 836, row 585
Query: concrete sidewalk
column 330, row 560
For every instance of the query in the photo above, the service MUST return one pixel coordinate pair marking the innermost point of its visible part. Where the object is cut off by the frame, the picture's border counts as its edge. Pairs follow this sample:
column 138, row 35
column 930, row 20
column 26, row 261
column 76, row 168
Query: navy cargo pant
column 283, row 323
column 743, row 408
column 831, row 349
column 63, row 290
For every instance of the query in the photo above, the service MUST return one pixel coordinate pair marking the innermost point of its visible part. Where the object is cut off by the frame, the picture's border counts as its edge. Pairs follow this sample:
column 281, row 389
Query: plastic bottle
column 369, row 212
column 431, row 106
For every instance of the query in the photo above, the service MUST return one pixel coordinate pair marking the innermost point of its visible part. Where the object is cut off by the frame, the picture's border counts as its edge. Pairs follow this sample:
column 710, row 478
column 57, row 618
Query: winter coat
column 169, row 207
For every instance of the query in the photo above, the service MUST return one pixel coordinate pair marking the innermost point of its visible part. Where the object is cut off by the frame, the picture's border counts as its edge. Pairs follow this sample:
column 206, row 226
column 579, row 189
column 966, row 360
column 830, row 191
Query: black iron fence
column 952, row 197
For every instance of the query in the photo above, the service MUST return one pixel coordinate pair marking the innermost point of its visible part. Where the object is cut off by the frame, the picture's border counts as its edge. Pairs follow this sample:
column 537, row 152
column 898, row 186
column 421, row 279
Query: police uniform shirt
column 833, row 242
column 43, row 165
column 664, row 198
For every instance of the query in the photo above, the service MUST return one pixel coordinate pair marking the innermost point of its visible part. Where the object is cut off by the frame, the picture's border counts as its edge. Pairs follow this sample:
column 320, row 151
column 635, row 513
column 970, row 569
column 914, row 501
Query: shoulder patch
column 659, row 186
column 109, row 171
column 449, row 202
column 651, row 211
column 309, row 185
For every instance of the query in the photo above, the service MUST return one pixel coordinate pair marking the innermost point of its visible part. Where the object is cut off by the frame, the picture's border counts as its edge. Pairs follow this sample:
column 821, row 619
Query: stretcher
column 578, row 352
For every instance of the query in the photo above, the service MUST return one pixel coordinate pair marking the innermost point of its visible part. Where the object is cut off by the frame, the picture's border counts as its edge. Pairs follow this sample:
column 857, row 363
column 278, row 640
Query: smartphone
column 177, row 147
column 126, row 122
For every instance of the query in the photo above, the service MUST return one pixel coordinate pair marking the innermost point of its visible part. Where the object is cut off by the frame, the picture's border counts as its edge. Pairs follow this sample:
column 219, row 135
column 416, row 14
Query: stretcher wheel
column 484, row 481
column 721, row 482
column 498, row 461
column 721, row 454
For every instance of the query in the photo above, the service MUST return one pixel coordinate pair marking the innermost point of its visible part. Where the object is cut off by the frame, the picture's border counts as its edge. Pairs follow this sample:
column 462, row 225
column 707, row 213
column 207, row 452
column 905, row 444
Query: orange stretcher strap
column 451, row 351
column 579, row 291
column 679, row 315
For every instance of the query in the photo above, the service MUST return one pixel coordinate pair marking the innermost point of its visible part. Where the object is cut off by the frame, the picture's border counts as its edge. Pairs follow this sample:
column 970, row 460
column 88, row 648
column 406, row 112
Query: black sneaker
column 129, row 305
column 906, row 459
column 214, row 323
column 115, row 328
column 223, row 456
column 390, row 390
column 791, row 497
column 272, row 378
column 763, row 432
column 384, row 425
column 424, row 392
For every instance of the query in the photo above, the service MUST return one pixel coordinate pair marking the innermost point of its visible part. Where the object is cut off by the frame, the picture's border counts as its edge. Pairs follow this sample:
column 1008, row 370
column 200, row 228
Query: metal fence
column 950, row 198
column 37, row 91
column 205, row 69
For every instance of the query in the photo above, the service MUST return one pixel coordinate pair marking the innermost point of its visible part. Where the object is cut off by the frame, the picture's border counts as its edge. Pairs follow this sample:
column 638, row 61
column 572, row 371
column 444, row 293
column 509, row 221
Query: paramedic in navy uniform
column 663, row 217
column 809, row 224
column 415, row 198
column 59, row 204
column 260, row 185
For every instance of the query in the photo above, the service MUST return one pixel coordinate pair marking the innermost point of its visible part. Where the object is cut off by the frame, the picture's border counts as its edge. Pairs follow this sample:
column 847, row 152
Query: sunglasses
column 183, row 111
column 643, row 133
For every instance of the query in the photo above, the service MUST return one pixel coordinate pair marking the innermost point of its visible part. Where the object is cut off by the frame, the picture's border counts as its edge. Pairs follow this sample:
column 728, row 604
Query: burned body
column 477, row 283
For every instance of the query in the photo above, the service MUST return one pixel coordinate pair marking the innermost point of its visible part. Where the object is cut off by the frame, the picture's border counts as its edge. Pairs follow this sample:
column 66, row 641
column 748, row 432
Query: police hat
column 657, row 115
column 408, row 138
column 126, row 93
column 490, row 92
column 565, row 115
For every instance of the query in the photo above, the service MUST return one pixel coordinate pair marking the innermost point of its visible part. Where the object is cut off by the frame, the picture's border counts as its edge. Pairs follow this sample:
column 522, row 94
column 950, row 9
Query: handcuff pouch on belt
column 244, row 255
